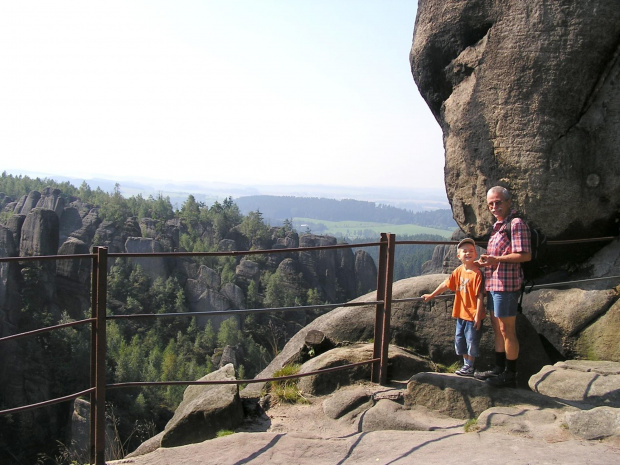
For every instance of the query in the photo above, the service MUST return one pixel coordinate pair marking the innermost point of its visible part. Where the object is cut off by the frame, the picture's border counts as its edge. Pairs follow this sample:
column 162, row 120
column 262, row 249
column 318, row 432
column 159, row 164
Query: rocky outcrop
column 365, row 271
column 154, row 267
column 444, row 258
column 39, row 233
column 525, row 93
column 319, row 267
column 205, row 410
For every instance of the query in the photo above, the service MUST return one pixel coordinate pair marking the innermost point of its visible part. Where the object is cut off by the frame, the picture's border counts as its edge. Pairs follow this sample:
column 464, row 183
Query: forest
column 280, row 207
column 175, row 348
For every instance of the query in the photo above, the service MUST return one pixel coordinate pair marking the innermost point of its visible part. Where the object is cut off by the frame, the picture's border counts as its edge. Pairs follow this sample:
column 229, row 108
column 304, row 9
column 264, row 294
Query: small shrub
column 223, row 432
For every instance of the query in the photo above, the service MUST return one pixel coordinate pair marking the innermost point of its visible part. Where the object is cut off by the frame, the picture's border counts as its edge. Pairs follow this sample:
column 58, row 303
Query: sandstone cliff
column 527, row 96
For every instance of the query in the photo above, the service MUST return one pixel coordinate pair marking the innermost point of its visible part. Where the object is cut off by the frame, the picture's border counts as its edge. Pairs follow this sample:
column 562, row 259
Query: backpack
column 536, row 267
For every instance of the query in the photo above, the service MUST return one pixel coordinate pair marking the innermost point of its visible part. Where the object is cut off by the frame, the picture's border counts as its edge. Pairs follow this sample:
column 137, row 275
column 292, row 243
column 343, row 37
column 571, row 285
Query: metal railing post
column 387, row 307
column 100, row 355
column 93, row 350
column 378, row 335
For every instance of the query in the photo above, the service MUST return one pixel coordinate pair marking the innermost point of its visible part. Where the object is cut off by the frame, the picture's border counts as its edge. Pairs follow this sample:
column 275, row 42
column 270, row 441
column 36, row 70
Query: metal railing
column 98, row 320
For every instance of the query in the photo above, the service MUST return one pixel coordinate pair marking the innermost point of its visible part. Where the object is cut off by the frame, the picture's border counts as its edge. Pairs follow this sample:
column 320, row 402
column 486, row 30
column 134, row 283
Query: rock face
column 527, row 95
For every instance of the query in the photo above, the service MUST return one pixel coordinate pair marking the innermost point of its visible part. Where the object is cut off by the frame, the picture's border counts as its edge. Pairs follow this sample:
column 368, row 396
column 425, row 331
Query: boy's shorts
column 503, row 303
column 467, row 338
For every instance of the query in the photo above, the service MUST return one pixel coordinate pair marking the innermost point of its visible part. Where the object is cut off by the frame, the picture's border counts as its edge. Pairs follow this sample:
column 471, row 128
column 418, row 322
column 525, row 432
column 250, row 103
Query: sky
column 278, row 92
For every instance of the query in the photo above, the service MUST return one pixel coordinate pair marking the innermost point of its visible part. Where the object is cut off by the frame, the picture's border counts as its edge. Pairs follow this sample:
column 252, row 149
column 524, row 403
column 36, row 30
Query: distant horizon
column 430, row 197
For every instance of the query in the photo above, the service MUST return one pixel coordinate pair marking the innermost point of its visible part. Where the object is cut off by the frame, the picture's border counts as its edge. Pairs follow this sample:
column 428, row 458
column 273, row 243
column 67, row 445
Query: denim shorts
column 467, row 338
column 503, row 303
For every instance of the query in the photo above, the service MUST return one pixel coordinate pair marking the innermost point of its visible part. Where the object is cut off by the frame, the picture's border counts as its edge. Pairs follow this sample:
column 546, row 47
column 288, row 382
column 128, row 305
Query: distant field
column 356, row 229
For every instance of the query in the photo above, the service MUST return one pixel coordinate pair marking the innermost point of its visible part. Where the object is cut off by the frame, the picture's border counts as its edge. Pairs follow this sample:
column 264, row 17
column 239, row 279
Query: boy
column 466, row 282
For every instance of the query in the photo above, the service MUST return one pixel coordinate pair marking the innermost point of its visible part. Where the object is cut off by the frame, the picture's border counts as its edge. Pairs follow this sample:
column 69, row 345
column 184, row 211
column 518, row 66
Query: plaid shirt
column 507, row 276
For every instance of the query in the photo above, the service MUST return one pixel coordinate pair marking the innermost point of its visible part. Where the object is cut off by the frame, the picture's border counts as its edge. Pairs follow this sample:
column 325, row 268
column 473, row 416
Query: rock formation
column 35, row 294
column 527, row 95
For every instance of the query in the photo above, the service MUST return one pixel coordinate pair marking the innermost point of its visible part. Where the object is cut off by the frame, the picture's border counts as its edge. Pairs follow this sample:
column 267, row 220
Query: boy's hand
column 427, row 297
column 478, row 319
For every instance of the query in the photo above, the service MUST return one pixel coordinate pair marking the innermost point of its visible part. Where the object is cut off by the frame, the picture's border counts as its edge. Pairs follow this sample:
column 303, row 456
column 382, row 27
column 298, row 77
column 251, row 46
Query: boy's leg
column 472, row 336
column 468, row 336
column 460, row 345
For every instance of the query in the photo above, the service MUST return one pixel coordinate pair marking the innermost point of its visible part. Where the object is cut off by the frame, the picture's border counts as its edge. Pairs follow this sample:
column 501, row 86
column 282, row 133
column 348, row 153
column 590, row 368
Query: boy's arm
column 480, row 312
column 443, row 287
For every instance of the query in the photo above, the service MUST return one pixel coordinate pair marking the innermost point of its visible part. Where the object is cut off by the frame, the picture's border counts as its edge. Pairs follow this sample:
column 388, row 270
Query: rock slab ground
column 380, row 447
column 305, row 434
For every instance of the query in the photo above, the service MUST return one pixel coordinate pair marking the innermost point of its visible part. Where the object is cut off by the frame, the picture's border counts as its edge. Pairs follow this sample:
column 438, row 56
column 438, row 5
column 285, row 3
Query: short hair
column 505, row 193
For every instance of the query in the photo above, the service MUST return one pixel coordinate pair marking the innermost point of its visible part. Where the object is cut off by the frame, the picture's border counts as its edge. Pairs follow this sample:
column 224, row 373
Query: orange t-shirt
column 466, row 284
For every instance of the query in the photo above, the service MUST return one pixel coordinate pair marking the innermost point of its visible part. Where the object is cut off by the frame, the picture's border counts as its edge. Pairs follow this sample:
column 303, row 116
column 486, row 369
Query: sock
column 511, row 365
column 500, row 359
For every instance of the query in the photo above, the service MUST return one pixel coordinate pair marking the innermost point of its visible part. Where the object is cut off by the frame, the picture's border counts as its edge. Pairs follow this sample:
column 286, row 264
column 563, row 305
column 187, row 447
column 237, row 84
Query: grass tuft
column 223, row 432
column 287, row 390
column 471, row 426
column 441, row 368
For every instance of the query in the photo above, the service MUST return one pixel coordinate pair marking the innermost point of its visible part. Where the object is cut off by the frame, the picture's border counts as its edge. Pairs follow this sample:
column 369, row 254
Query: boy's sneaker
column 505, row 379
column 482, row 375
column 465, row 370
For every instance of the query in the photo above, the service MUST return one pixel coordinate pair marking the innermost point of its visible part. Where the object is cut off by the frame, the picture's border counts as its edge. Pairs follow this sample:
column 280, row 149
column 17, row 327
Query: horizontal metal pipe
column 238, row 311
column 238, row 381
column 46, row 329
column 58, row 400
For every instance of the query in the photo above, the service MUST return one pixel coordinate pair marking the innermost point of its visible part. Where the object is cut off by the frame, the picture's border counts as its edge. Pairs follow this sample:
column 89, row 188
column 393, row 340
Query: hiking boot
column 505, row 379
column 465, row 370
column 482, row 375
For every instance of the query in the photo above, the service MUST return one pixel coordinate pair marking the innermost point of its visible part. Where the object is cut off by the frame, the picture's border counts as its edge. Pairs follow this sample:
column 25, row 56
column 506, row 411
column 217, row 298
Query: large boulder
column 600, row 340
column 205, row 410
column 562, row 314
column 527, row 96
column 402, row 365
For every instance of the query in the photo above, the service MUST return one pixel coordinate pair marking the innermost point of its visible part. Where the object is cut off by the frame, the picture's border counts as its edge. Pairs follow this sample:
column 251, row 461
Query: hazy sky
column 256, row 91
